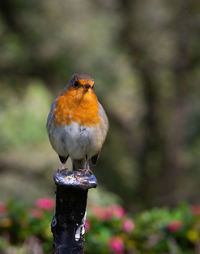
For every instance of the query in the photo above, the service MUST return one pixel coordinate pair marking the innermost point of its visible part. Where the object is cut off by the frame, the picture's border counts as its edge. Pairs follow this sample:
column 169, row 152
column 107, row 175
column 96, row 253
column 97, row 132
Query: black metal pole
column 68, row 224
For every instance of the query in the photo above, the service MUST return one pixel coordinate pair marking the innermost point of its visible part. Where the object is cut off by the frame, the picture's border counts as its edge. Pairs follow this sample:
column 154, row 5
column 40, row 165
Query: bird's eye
column 76, row 83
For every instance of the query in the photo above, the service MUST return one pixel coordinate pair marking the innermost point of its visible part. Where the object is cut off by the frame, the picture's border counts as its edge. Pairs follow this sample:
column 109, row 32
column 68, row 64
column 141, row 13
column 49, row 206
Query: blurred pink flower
column 87, row 226
column 128, row 225
column 116, row 245
column 36, row 213
column 109, row 212
column 101, row 213
column 195, row 210
column 45, row 203
column 2, row 208
column 116, row 211
column 175, row 225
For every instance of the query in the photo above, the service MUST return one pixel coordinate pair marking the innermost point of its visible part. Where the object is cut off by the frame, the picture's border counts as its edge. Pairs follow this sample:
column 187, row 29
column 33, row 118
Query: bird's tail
column 79, row 164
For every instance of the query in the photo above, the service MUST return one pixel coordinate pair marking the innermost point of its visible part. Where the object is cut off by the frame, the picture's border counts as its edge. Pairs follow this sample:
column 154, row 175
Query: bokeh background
column 145, row 58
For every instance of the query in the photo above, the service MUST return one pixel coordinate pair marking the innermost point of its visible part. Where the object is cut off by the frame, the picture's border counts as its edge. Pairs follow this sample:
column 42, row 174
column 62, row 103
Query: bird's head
column 81, row 81
column 78, row 102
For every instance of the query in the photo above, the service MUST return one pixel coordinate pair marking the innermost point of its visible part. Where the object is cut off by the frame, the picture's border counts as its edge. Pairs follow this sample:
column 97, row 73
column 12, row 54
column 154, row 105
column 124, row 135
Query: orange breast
column 79, row 105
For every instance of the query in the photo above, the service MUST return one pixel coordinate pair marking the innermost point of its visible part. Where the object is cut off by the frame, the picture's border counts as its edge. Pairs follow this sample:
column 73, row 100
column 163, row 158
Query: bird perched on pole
column 77, row 123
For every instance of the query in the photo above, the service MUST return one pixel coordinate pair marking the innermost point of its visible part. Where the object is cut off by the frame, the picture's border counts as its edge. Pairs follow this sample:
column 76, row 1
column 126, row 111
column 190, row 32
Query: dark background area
column 145, row 58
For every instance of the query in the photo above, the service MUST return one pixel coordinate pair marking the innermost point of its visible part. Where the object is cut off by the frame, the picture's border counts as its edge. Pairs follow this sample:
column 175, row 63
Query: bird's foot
column 88, row 171
column 62, row 168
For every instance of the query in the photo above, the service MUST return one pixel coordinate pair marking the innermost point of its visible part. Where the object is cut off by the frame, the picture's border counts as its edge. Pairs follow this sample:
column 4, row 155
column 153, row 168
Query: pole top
column 76, row 179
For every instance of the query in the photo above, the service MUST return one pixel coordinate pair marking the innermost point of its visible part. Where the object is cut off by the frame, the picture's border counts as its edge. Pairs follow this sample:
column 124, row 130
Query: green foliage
column 108, row 229
column 23, row 118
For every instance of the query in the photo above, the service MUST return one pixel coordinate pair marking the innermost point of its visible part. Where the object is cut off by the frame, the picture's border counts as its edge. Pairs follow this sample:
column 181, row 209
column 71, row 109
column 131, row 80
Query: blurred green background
column 145, row 58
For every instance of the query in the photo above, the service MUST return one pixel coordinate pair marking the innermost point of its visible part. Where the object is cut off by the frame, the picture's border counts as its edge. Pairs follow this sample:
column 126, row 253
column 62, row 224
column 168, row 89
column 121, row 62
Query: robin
column 77, row 123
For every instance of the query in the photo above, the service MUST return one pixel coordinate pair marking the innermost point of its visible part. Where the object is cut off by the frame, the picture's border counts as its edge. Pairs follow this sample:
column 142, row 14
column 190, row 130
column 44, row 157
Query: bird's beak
column 87, row 86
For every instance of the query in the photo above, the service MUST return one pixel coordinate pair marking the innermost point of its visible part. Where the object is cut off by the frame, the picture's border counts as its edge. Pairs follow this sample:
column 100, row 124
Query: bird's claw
column 62, row 169
column 88, row 171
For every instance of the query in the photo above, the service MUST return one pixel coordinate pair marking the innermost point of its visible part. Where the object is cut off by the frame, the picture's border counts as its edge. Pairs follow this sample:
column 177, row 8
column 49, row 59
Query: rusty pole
column 68, row 224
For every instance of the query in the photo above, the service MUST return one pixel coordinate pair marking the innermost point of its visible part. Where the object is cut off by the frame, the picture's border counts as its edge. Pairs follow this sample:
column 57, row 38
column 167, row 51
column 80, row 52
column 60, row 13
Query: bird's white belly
column 76, row 141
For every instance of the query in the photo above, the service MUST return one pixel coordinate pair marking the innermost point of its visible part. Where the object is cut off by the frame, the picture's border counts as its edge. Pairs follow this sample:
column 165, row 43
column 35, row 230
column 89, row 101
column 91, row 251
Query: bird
column 77, row 124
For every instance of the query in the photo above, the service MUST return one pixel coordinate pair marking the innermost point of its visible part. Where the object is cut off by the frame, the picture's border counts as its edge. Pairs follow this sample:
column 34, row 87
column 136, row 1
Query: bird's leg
column 87, row 166
column 62, row 168
column 87, row 163
column 63, row 161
